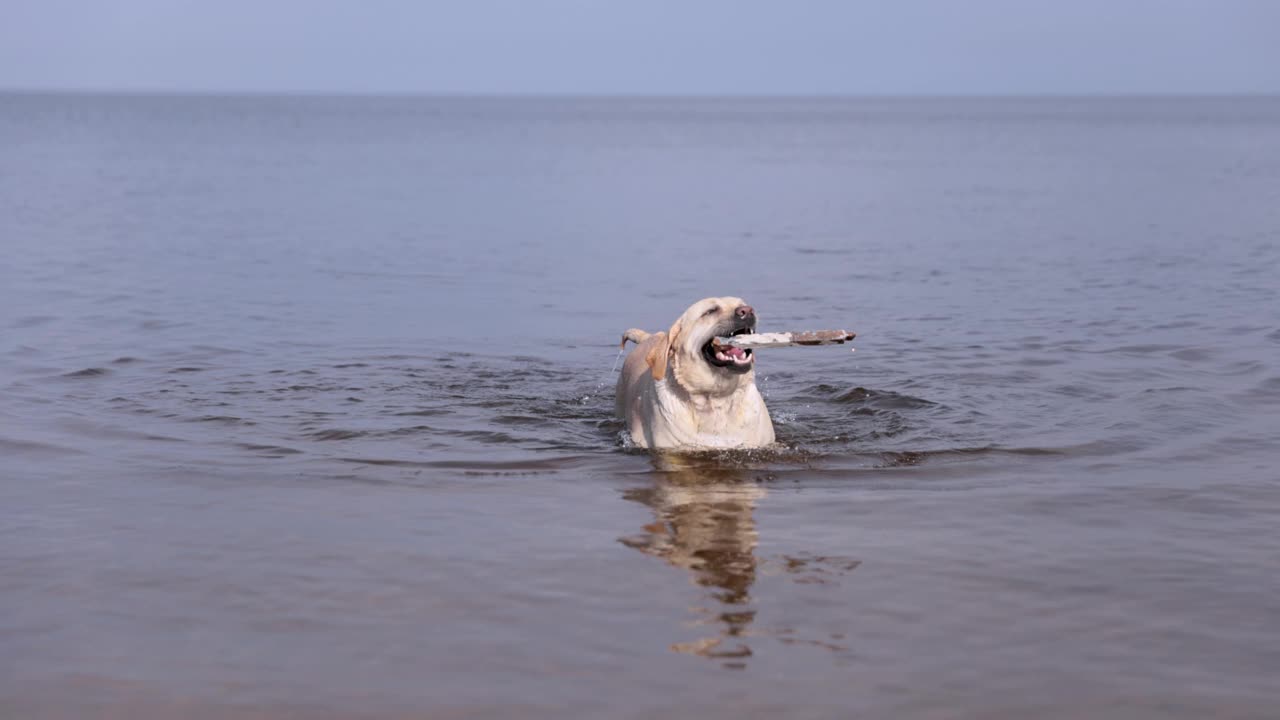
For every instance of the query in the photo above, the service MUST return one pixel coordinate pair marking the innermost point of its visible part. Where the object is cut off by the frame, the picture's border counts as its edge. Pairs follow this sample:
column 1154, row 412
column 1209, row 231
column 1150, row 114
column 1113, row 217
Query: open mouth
column 726, row 356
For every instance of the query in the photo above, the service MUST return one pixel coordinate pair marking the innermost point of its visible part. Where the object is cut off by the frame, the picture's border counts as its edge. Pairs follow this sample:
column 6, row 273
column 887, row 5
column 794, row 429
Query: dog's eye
column 714, row 309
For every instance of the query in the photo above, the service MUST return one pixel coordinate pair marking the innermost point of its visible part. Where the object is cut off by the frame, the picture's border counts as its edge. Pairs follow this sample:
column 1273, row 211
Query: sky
column 677, row 47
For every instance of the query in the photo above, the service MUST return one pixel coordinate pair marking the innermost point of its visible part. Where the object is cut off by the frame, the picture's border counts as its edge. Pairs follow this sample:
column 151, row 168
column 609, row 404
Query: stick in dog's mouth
column 722, row 354
column 811, row 337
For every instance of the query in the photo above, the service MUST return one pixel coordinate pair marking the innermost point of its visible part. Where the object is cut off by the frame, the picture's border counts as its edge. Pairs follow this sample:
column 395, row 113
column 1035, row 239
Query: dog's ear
column 657, row 357
column 661, row 352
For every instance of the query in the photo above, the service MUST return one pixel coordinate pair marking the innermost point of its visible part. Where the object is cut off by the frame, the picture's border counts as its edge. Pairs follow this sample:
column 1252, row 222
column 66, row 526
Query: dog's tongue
column 732, row 351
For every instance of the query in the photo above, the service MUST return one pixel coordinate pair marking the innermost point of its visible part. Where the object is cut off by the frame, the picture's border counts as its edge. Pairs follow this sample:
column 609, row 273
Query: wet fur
column 670, row 397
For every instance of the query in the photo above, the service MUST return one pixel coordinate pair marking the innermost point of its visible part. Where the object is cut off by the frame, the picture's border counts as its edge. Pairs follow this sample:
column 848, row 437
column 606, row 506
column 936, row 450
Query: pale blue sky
column 645, row 46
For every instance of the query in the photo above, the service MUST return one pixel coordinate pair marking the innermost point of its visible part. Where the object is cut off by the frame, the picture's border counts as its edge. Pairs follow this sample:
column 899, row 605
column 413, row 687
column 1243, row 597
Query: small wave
column 268, row 450
column 1176, row 325
column 522, row 420
column 486, row 436
column 1193, row 354
column 1040, row 361
column 87, row 373
column 160, row 324
column 1267, row 391
column 910, row 458
column 404, row 356
column 223, row 419
column 411, row 430
column 1087, row 392
column 903, row 459
column 217, row 350
column 337, row 434
column 33, row 321
column 1147, row 349
column 1245, row 329
column 882, row 399
column 525, row 466
column 821, row 251
column 1112, row 446
column 1243, row 367
column 779, row 462
column 731, row 459
column 29, row 447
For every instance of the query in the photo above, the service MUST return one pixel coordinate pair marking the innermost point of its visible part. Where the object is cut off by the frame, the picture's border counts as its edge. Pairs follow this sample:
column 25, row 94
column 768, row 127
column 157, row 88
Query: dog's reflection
column 704, row 523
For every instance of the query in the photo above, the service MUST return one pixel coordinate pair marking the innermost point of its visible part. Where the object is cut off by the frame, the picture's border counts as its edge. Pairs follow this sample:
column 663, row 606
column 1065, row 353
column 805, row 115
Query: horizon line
column 627, row 95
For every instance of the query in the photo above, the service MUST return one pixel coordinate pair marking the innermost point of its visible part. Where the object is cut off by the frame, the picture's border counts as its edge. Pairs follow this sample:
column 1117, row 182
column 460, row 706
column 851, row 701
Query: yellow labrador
column 677, row 391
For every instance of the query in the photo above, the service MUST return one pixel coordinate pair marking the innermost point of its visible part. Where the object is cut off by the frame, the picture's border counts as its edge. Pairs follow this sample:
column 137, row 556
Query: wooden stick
column 769, row 340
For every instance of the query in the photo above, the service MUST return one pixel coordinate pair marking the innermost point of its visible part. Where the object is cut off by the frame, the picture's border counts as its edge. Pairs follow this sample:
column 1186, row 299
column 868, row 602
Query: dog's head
column 696, row 363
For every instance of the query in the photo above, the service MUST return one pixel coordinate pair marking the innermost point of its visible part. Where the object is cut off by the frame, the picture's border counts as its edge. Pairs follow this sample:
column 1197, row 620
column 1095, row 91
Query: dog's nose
column 745, row 312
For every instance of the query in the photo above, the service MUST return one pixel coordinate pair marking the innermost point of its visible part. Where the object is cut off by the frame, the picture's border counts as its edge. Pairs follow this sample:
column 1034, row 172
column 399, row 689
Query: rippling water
column 308, row 409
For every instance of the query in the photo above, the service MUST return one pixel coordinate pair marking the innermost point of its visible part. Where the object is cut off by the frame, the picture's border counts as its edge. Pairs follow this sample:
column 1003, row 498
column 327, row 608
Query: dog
column 678, row 391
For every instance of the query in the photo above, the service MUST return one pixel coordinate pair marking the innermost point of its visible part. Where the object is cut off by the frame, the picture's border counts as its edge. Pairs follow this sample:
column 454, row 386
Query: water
column 308, row 408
